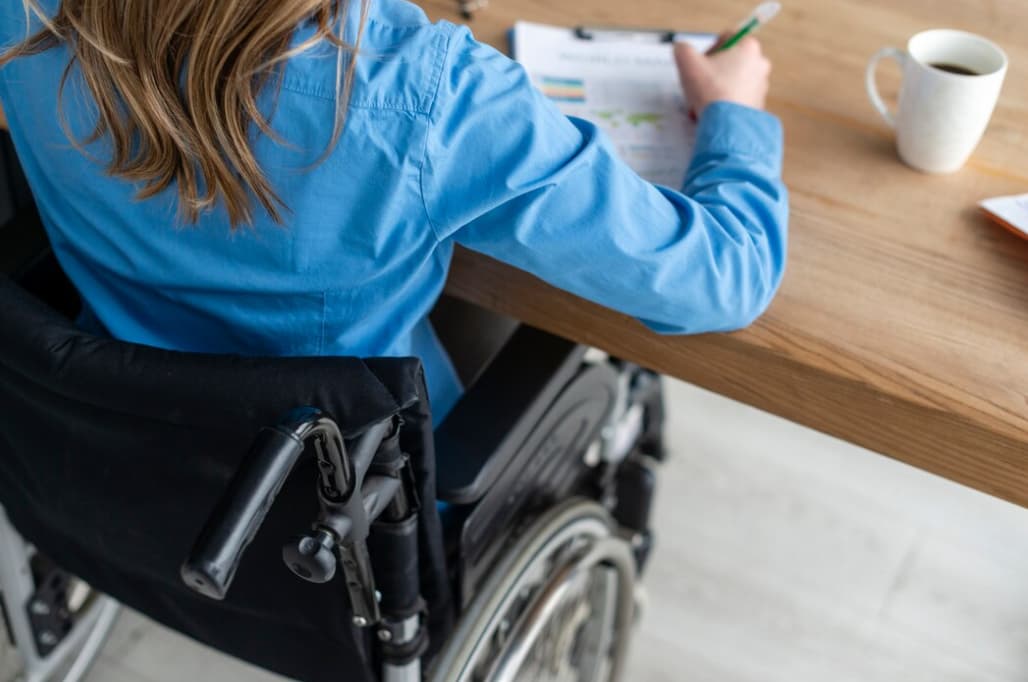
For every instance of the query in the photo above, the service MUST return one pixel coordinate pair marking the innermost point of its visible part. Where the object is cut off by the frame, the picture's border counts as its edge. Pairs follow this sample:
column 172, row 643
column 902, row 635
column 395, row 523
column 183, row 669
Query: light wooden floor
column 784, row 555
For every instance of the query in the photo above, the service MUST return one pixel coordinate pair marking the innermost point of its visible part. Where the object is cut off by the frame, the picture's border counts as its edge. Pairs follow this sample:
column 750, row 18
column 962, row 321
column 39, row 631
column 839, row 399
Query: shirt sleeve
column 506, row 174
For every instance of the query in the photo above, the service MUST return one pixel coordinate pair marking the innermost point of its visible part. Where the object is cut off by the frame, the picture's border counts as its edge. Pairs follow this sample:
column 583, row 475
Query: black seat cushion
column 112, row 455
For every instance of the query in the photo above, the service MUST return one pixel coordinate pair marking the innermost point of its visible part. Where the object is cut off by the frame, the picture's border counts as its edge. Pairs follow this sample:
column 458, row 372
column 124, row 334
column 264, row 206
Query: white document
column 625, row 83
column 1012, row 212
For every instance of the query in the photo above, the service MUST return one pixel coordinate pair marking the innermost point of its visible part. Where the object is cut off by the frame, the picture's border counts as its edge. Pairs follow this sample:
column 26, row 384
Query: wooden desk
column 902, row 324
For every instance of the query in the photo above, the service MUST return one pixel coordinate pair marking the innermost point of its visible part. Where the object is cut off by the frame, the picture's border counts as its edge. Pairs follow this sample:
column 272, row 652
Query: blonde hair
column 176, row 85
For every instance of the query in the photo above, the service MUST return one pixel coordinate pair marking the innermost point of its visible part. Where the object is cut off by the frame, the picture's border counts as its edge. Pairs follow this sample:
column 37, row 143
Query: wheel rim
column 560, row 604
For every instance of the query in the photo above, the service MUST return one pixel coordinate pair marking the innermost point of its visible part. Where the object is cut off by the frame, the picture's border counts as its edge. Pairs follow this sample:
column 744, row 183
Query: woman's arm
column 507, row 175
column 3, row 119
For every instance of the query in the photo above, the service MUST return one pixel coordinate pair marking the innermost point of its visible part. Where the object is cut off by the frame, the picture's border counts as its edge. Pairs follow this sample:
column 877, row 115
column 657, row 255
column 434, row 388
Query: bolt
column 47, row 638
column 40, row 608
column 384, row 635
column 360, row 621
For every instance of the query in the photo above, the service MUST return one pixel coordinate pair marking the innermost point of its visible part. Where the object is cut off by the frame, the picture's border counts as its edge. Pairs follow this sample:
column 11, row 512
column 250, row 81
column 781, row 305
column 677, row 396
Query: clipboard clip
column 621, row 34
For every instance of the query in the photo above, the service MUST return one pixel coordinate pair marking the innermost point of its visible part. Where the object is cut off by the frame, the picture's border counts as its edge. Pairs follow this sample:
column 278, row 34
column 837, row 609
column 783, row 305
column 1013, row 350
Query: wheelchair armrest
column 477, row 440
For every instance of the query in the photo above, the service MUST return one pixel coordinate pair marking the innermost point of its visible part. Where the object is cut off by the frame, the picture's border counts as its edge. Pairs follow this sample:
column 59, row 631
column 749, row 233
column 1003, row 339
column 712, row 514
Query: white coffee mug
column 943, row 112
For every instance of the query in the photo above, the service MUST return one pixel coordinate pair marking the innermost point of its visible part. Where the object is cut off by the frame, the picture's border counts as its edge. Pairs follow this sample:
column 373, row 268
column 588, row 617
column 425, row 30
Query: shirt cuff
column 738, row 130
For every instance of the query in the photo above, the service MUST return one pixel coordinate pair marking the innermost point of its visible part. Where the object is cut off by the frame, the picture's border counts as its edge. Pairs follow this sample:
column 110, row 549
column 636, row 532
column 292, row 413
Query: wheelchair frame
column 540, row 571
column 34, row 619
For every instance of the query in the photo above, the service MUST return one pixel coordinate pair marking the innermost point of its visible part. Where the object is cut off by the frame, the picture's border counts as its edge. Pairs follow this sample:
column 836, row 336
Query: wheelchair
column 290, row 512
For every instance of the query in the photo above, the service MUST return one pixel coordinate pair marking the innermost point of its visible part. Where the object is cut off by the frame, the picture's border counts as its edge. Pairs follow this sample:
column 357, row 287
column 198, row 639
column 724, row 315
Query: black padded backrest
column 112, row 456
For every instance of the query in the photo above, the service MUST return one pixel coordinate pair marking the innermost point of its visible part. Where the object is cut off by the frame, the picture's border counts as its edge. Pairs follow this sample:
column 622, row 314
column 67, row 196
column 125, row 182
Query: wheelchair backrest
column 112, row 456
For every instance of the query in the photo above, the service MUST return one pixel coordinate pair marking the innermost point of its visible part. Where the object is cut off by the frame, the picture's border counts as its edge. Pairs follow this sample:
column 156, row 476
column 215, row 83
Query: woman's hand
column 740, row 74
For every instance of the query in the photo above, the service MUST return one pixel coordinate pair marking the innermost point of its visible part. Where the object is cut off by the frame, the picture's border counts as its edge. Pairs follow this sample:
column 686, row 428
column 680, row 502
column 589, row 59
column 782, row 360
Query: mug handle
column 872, row 87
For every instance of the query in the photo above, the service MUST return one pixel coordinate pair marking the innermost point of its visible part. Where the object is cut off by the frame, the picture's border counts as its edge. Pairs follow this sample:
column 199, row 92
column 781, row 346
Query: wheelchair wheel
column 60, row 604
column 557, row 608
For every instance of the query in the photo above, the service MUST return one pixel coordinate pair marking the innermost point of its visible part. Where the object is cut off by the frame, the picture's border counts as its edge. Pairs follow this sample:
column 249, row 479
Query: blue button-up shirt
column 446, row 141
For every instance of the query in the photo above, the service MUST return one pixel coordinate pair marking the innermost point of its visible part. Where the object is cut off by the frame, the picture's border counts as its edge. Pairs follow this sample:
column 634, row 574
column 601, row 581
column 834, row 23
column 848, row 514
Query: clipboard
column 624, row 81
column 605, row 33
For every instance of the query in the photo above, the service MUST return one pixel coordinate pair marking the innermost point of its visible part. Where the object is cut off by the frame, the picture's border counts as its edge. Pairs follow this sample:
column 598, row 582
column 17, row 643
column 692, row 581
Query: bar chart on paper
column 628, row 88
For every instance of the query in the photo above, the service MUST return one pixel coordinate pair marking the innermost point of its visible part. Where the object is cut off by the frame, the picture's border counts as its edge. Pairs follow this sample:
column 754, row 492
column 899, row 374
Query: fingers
column 689, row 61
column 756, row 52
column 739, row 74
column 748, row 48
column 750, row 45
column 748, row 51
column 685, row 53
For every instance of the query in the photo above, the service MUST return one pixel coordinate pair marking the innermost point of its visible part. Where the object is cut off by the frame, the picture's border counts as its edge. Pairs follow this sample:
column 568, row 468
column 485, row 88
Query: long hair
column 176, row 84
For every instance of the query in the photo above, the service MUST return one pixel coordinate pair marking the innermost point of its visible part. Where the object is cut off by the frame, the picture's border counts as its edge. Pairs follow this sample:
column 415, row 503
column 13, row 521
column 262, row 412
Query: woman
column 226, row 176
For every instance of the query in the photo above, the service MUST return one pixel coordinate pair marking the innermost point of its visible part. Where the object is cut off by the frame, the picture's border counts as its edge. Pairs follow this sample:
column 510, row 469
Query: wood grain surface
column 902, row 323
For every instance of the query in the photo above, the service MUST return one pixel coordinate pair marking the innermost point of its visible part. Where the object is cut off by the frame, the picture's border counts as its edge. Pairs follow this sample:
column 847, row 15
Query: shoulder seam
column 451, row 29
column 441, row 58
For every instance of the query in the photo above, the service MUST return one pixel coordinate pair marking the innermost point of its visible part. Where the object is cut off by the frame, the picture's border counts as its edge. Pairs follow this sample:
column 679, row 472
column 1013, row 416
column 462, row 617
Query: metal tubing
column 411, row 671
column 378, row 492
column 89, row 632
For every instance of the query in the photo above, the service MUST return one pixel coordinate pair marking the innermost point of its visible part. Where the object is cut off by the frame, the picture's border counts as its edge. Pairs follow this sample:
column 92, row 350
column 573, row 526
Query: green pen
column 760, row 16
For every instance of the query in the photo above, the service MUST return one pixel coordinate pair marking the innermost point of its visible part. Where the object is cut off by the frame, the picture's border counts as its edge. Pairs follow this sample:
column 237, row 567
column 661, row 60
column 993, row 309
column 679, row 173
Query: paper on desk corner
column 1012, row 211
column 630, row 90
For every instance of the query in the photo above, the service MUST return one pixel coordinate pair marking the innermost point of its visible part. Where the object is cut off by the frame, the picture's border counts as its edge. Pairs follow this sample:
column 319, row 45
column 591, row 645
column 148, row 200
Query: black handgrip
column 215, row 557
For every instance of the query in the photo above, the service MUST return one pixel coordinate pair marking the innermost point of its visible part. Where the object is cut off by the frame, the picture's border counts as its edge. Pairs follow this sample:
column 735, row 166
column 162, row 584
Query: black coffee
column 954, row 68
